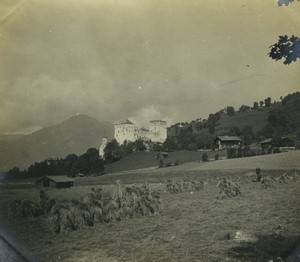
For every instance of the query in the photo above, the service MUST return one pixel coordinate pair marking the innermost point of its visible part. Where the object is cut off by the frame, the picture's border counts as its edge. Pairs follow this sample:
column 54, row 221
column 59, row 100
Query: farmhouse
column 283, row 142
column 227, row 141
column 54, row 181
column 267, row 143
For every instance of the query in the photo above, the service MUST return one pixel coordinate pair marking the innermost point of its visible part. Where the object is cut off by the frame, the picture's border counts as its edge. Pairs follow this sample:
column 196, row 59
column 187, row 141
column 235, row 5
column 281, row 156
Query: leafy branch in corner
column 287, row 48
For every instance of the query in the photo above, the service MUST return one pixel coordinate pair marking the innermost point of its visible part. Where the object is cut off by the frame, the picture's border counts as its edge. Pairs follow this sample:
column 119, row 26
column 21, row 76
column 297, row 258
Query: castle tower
column 158, row 129
column 102, row 147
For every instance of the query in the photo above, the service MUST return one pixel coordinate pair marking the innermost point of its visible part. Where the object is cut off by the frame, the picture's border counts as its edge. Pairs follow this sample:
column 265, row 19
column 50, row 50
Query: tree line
column 88, row 163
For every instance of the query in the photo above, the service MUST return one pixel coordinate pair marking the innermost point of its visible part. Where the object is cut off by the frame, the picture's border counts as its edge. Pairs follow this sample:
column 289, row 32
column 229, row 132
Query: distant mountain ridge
column 74, row 135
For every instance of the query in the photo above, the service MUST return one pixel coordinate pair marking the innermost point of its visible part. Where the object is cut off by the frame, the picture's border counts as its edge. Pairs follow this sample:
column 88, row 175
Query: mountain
column 74, row 135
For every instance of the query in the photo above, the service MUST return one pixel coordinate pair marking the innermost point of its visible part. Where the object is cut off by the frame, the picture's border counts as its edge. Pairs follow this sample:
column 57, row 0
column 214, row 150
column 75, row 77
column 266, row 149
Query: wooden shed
column 227, row 141
column 54, row 182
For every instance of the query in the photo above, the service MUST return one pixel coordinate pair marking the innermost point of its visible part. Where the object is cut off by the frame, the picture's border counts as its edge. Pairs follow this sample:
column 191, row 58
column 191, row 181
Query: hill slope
column 74, row 135
column 255, row 118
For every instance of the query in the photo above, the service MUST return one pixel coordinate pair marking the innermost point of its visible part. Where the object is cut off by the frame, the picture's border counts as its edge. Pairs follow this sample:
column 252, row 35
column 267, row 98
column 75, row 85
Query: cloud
column 59, row 58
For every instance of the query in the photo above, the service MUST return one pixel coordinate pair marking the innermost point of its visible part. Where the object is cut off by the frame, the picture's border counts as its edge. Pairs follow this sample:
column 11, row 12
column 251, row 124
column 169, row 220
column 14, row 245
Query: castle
column 129, row 131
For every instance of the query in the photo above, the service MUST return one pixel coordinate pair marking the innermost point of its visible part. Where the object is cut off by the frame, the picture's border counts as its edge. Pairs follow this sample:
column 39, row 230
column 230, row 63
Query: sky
column 176, row 60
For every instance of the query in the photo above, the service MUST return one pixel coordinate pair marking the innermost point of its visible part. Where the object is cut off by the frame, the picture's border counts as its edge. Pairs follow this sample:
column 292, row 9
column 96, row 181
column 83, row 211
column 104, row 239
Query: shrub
column 232, row 152
column 161, row 163
column 168, row 164
column 228, row 189
column 204, row 157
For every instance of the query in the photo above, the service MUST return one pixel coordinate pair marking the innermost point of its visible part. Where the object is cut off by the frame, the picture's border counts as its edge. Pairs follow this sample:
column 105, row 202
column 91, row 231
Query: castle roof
column 127, row 122
column 161, row 121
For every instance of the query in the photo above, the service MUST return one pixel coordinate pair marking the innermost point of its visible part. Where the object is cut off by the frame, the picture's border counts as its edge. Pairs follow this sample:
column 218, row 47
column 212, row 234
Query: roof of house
column 57, row 179
column 229, row 138
column 268, row 140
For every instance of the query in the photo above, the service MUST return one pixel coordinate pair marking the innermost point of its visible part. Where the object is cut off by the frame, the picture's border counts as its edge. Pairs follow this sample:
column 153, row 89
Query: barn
column 227, row 141
column 54, row 182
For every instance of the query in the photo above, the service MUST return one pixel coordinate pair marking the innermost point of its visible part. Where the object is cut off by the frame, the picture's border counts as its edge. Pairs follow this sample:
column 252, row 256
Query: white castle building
column 131, row 132
column 102, row 147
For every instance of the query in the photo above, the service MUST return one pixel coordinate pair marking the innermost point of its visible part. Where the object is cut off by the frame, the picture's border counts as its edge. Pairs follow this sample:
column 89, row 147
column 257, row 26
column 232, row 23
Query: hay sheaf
column 228, row 188
column 27, row 208
column 268, row 182
column 178, row 186
column 95, row 207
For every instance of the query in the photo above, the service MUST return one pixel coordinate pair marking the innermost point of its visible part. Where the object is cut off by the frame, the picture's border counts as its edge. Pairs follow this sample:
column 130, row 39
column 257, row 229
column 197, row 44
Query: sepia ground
column 192, row 226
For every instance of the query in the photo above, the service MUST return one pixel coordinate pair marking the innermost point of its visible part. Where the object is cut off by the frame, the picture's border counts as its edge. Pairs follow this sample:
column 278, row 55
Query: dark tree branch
column 286, row 48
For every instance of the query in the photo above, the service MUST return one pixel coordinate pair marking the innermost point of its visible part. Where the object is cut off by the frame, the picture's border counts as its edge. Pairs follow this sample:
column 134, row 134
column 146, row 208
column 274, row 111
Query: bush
column 231, row 152
column 204, row 157
column 228, row 189
column 161, row 163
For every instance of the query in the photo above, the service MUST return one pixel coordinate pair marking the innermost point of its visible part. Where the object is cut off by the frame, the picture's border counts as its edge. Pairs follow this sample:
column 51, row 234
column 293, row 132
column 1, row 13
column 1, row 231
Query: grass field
column 192, row 226
column 140, row 160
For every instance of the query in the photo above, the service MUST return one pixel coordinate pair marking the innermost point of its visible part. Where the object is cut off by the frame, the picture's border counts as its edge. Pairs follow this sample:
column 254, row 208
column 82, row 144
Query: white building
column 102, row 147
column 158, row 130
column 130, row 132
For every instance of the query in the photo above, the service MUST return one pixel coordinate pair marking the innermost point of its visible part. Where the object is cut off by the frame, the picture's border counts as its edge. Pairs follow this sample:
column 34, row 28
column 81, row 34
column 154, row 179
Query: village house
column 285, row 142
column 227, row 141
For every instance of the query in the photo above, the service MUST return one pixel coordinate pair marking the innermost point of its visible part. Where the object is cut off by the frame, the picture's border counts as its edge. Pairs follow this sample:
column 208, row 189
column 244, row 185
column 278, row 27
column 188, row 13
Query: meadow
column 194, row 225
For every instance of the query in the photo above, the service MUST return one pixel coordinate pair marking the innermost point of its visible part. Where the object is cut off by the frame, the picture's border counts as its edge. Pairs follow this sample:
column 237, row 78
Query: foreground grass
column 193, row 226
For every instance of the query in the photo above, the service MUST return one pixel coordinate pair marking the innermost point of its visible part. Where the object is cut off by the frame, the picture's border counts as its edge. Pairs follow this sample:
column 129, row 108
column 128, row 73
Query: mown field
column 140, row 160
column 191, row 226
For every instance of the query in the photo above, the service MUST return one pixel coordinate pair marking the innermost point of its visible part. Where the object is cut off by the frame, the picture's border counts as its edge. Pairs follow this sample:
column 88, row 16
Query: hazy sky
column 139, row 59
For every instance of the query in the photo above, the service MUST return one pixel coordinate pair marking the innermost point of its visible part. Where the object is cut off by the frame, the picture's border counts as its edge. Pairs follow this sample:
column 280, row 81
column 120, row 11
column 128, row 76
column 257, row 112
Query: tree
column 139, row 145
column 204, row 157
column 230, row 110
column 169, row 145
column 244, row 108
column 112, row 151
column 261, row 103
column 287, row 48
column 235, row 131
column 268, row 102
column 255, row 105
column 285, row 2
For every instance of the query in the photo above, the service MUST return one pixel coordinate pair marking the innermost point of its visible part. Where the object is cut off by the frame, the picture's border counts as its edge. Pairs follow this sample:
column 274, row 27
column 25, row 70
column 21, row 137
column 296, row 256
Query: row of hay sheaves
column 125, row 201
